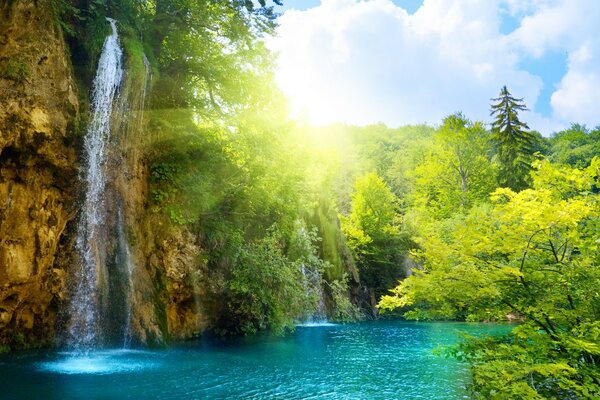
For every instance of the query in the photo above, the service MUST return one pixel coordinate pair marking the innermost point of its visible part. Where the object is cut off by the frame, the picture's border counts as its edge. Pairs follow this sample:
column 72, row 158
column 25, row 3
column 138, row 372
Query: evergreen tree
column 514, row 141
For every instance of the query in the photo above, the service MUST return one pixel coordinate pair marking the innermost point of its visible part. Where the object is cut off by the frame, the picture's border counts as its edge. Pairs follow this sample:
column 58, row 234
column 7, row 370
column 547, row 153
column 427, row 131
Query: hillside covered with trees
column 241, row 220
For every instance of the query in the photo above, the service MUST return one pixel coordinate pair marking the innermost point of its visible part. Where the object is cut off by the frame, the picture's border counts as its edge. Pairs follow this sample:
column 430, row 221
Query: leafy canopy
column 533, row 255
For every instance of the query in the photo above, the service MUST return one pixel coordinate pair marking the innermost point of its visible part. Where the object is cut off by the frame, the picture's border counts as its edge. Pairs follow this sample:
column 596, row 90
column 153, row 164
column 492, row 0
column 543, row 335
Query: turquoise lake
column 371, row 360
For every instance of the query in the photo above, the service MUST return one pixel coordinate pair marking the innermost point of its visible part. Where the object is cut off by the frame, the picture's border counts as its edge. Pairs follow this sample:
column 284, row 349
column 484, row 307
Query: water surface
column 375, row 360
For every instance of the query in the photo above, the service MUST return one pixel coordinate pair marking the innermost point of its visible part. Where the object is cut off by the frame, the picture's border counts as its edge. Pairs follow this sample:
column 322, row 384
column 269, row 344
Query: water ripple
column 382, row 360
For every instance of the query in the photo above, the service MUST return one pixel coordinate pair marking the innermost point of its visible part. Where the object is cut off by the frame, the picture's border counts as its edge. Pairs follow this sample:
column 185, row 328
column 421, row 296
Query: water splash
column 101, row 362
column 83, row 332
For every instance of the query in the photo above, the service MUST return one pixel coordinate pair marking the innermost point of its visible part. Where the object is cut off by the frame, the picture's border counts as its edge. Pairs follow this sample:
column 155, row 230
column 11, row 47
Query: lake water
column 371, row 360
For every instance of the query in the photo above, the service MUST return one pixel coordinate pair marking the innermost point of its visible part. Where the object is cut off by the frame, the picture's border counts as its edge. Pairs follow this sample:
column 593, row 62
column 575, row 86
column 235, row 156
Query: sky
column 416, row 61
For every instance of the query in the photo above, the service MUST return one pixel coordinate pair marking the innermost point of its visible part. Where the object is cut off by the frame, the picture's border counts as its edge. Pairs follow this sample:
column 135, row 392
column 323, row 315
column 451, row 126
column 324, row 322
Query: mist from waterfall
column 91, row 245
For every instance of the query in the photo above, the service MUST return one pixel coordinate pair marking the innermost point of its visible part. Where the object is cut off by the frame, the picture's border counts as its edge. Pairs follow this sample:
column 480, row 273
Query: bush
column 266, row 289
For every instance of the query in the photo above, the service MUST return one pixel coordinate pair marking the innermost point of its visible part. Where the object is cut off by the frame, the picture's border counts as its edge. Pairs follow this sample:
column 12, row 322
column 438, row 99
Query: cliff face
column 128, row 191
column 40, row 190
column 157, row 269
column 38, row 114
column 176, row 254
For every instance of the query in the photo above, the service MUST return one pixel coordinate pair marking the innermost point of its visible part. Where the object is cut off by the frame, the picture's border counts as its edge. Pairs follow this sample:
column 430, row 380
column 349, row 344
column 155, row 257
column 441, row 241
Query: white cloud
column 366, row 61
column 578, row 94
column 570, row 26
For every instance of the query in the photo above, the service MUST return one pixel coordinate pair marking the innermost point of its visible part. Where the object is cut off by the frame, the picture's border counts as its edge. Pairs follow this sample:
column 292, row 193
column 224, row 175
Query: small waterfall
column 147, row 79
column 91, row 239
column 312, row 286
column 127, row 262
column 129, row 288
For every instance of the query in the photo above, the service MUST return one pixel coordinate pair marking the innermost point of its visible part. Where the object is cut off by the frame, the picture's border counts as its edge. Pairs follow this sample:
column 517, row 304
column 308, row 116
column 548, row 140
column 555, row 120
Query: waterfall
column 147, row 79
column 313, row 288
column 126, row 261
column 91, row 237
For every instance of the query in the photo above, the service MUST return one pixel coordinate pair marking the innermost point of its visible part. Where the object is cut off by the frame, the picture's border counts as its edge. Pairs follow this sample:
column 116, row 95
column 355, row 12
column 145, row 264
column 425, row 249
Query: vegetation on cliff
column 225, row 167
column 236, row 209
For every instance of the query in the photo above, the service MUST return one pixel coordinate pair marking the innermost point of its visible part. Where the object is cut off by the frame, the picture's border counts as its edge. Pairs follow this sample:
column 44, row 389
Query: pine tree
column 513, row 139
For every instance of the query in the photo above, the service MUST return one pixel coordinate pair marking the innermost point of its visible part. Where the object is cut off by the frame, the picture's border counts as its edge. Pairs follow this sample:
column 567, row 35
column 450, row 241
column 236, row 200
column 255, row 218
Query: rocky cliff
column 40, row 134
column 160, row 285
column 38, row 174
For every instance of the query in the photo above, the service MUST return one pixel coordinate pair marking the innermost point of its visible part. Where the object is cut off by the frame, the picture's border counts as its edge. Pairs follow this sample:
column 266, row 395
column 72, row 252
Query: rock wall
column 175, row 258
column 39, row 189
column 38, row 117
column 128, row 189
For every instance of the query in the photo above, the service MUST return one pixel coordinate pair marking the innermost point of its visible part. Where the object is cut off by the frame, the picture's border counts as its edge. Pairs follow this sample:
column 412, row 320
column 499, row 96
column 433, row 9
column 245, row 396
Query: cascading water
column 91, row 240
column 128, row 121
column 126, row 261
column 147, row 79
column 312, row 287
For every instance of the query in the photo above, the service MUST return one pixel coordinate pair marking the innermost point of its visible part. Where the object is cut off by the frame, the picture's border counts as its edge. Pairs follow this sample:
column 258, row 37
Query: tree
column 533, row 255
column 575, row 146
column 210, row 55
column 457, row 172
column 372, row 233
column 514, row 141
column 265, row 289
column 373, row 212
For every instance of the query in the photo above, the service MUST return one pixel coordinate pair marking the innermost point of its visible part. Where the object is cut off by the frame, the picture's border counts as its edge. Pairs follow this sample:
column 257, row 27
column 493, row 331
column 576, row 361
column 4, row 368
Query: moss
column 332, row 248
column 134, row 54
column 160, row 305
column 14, row 70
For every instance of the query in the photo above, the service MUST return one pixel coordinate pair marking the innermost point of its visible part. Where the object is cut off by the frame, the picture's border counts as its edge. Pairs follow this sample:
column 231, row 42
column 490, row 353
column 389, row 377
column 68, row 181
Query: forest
column 273, row 221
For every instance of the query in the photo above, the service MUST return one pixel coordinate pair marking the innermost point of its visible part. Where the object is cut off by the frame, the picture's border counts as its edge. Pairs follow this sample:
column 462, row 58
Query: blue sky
column 414, row 61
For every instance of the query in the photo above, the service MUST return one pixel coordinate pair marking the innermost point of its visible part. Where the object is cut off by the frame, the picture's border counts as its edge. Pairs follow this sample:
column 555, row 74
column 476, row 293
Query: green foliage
column 229, row 186
column 64, row 13
column 14, row 70
column 344, row 309
column 533, row 255
column 372, row 232
column 457, row 172
column 513, row 140
column 266, row 288
column 373, row 213
column 576, row 146
column 209, row 54
column 528, row 364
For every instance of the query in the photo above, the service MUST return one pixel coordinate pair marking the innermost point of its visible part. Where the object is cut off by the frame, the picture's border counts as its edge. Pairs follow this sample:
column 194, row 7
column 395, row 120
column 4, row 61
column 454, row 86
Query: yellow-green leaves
column 532, row 255
column 456, row 173
column 373, row 234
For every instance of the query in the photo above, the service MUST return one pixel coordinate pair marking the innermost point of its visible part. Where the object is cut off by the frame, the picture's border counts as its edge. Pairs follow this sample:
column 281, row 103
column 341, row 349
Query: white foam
column 99, row 362
column 316, row 324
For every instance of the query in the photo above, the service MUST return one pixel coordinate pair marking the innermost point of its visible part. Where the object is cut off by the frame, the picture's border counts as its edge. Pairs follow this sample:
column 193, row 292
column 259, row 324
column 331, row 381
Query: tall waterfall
column 91, row 239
